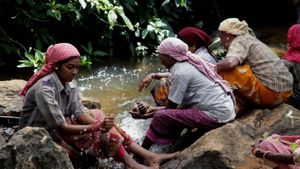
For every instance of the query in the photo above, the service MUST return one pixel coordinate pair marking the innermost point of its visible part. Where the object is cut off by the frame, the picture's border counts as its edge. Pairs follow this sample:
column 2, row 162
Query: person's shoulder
column 48, row 80
column 246, row 37
column 48, row 83
column 182, row 66
column 183, row 69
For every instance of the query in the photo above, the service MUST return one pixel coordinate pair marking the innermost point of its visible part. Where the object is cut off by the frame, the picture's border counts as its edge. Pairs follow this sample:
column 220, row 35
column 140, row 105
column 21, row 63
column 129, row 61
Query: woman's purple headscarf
column 178, row 50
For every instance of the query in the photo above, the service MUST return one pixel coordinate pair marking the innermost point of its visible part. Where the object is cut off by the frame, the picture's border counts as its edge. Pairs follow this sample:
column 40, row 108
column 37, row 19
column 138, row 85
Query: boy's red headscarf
column 194, row 36
column 55, row 53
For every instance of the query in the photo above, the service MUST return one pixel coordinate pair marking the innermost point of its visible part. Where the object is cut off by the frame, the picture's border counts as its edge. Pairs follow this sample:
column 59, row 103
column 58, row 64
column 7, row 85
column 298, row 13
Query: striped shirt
column 264, row 63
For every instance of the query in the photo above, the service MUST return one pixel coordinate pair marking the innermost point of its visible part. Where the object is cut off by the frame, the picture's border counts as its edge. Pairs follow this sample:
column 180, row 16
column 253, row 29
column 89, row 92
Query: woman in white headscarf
column 254, row 71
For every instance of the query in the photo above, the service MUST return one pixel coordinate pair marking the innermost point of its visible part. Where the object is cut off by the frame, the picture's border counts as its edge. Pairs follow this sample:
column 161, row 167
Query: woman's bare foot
column 156, row 160
column 130, row 163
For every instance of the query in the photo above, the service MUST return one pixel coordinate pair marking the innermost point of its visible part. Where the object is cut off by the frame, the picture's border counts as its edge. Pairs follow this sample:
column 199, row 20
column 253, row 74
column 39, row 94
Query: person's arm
column 227, row 63
column 147, row 80
column 78, row 129
column 171, row 105
column 85, row 118
column 275, row 157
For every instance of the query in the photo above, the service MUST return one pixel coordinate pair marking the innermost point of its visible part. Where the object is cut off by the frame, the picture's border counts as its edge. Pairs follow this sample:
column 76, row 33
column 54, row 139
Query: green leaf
column 25, row 64
column 293, row 146
column 112, row 18
column 165, row 2
column 100, row 53
column 54, row 13
column 145, row 33
column 82, row 3
column 181, row 3
column 125, row 19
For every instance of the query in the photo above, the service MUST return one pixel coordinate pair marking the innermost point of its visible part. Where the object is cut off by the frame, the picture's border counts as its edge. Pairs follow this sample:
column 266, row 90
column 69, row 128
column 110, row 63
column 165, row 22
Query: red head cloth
column 178, row 50
column 194, row 36
column 55, row 53
column 293, row 52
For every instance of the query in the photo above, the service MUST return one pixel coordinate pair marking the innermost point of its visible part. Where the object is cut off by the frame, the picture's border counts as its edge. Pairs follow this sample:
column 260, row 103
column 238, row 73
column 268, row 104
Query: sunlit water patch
column 116, row 88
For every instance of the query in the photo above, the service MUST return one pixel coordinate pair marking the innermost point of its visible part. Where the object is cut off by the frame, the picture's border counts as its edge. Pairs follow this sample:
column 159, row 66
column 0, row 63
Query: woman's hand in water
column 142, row 111
column 138, row 115
column 145, row 82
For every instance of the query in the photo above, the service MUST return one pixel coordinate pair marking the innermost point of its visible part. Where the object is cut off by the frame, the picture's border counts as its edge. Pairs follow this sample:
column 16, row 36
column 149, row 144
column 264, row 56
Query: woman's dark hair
column 59, row 63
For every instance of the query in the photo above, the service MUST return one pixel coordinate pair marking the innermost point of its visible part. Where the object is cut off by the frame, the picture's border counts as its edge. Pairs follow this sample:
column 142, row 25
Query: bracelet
column 264, row 155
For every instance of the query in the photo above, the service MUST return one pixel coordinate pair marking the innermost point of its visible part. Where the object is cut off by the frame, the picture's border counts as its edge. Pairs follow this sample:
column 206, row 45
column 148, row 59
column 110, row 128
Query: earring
column 55, row 68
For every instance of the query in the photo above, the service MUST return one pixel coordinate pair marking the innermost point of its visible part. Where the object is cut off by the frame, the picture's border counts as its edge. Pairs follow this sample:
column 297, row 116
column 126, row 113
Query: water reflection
column 116, row 88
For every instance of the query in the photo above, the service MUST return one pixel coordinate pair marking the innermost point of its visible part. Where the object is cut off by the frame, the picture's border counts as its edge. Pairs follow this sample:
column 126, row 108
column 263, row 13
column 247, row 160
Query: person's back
column 264, row 63
column 218, row 103
column 254, row 71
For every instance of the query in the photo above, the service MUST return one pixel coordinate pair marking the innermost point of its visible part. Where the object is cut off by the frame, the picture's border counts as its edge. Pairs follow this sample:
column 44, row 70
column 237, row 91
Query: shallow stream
column 115, row 86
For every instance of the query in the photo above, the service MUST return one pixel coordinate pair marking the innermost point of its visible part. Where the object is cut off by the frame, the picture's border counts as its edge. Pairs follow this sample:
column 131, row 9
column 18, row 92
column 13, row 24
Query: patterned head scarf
column 234, row 26
column 194, row 36
column 293, row 52
column 178, row 50
column 55, row 53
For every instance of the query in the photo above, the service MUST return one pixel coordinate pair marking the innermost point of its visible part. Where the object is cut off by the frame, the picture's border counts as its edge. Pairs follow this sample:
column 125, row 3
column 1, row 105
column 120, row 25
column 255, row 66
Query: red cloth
column 293, row 52
column 194, row 36
column 55, row 53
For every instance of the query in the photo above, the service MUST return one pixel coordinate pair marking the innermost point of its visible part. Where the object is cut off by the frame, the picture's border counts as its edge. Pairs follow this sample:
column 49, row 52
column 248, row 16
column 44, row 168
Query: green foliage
column 141, row 50
column 94, row 22
column 90, row 53
column 35, row 60
column 157, row 29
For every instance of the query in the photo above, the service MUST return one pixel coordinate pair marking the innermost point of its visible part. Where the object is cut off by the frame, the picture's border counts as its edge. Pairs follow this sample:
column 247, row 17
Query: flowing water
column 115, row 86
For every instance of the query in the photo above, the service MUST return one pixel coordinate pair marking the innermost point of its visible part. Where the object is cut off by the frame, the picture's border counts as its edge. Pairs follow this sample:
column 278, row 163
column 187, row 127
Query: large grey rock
column 33, row 148
column 10, row 101
column 229, row 146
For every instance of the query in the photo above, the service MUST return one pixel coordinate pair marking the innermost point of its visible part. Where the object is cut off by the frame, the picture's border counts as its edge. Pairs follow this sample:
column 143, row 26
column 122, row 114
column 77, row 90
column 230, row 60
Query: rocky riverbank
column 225, row 147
